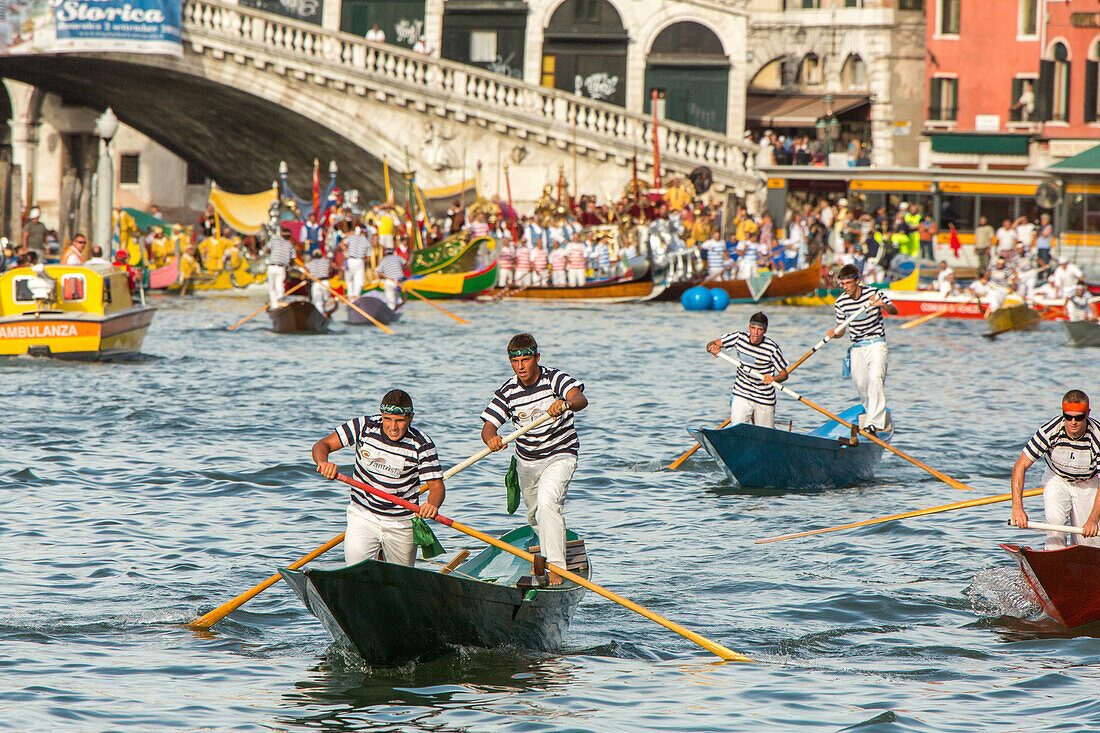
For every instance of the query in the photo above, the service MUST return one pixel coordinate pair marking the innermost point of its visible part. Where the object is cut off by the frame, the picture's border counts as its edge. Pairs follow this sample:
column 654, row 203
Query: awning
column 979, row 143
column 145, row 222
column 797, row 110
column 246, row 213
column 1086, row 163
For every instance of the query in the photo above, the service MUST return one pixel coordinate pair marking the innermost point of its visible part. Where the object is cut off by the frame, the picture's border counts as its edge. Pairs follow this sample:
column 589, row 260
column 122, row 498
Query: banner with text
column 80, row 26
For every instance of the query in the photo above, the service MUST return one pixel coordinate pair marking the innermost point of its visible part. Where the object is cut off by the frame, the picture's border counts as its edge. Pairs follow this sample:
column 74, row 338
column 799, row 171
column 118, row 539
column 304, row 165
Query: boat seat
column 576, row 557
column 833, row 429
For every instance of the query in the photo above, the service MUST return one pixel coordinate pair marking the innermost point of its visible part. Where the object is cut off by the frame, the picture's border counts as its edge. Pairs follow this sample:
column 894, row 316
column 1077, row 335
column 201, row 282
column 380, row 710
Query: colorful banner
column 80, row 26
column 308, row 10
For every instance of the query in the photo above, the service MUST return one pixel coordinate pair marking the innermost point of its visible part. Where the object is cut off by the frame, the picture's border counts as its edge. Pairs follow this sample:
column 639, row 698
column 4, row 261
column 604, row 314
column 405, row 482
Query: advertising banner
column 307, row 10
column 81, row 26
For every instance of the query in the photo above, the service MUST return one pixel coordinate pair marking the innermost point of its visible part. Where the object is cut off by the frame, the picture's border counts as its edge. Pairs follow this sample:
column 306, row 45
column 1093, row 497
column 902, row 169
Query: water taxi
column 70, row 313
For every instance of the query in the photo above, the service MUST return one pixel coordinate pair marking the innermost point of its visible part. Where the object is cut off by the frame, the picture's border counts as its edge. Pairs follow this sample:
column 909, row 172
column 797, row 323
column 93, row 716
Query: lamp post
column 828, row 128
column 106, row 126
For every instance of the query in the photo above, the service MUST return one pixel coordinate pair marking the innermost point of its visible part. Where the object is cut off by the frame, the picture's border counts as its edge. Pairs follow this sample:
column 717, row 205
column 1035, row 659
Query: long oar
column 1050, row 527
column 838, row 331
column 209, row 619
column 439, row 308
column 870, row 436
column 707, row 644
column 922, row 319
column 905, row 515
column 261, row 310
column 345, row 301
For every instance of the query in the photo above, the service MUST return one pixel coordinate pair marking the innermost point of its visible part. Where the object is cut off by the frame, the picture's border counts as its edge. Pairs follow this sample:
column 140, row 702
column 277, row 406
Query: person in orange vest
column 74, row 255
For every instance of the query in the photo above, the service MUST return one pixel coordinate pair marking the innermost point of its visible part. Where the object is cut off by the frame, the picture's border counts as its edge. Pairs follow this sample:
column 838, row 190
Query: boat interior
column 493, row 565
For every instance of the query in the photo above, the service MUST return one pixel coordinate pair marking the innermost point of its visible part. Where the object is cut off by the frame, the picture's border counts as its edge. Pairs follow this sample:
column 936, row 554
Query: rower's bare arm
column 321, row 450
column 715, row 346
column 436, row 493
column 576, row 400
column 1019, row 470
column 489, row 436
column 780, row 376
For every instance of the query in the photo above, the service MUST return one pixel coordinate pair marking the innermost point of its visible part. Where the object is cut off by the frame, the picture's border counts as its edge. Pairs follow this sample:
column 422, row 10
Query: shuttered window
column 943, row 99
column 1092, row 99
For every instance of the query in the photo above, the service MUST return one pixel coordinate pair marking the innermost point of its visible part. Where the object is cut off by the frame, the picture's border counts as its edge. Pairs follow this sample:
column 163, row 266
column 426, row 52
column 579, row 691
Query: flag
column 955, row 244
column 316, row 189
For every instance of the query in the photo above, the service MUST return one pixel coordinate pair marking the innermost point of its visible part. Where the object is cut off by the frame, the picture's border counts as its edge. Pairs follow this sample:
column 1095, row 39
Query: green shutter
column 1091, row 81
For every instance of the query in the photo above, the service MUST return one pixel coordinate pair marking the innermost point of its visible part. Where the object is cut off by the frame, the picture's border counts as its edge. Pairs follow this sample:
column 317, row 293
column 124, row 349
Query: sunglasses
column 80, row 241
column 1075, row 418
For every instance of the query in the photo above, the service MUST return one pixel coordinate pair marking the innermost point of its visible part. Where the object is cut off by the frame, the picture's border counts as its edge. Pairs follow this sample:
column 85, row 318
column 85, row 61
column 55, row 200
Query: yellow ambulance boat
column 70, row 313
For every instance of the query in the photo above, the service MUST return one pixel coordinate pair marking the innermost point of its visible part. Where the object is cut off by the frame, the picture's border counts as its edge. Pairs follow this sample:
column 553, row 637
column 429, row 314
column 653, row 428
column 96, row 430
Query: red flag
column 955, row 244
column 316, row 189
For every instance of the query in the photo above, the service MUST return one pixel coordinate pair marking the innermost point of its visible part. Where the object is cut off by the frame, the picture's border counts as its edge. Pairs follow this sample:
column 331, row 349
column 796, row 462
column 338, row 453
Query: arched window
column 853, row 75
column 688, row 62
column 810, row 74
column 1092, row 83
column 1059, row 110
column 770, row 76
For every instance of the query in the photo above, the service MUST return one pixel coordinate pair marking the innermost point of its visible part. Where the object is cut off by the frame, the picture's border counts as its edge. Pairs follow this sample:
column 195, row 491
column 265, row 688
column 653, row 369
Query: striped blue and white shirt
column 1074, row 459
column 765, row 358
column 358, row 246
column 320, row 268
column 523, row 404
column 392, row 267
column 280, row 252
column 396, row 467
column 867, row 326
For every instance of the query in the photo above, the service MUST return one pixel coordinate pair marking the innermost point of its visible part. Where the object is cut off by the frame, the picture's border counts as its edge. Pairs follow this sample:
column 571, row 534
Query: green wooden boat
column 454, row 254
column 392, row 614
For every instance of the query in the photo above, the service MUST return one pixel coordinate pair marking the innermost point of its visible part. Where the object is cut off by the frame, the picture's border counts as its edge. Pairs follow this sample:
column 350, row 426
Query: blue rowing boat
column 828, row 457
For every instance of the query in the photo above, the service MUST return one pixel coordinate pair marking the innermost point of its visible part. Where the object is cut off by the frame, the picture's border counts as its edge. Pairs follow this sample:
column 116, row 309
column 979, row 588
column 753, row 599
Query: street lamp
column 828, row 127
column 105, row 126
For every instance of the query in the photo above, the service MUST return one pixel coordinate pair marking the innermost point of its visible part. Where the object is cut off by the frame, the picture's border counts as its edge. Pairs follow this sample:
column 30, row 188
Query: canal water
column 140, row 495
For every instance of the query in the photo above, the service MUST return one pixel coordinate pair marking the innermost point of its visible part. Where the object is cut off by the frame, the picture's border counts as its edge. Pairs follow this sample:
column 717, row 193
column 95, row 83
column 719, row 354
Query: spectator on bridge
column 376, row 34
column 422, row 46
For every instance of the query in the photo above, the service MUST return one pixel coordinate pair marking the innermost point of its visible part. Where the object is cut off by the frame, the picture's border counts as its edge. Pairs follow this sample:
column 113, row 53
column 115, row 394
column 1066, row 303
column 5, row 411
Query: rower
column 944, row 280
column 1070, row 445
column 391, row 270
column 1079, row 304
column 867, row 355
column 392, row 455
column 357, row 247
column 546, row 457
column 321, row 269
column 752, row 400
column 279, row 254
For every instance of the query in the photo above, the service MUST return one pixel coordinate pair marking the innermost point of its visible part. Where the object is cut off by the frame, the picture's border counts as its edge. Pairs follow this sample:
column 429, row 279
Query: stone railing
column 547, row 115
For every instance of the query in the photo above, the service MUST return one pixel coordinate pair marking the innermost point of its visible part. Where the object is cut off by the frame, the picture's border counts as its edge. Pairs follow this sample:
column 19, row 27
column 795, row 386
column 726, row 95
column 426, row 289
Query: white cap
column 1062, row 260
column 903, row 205
column 34, row 213
column 843, row 202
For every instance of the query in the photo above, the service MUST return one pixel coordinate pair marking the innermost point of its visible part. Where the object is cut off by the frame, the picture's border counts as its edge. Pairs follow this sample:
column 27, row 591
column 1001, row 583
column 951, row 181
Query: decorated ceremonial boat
column 831, row 456
column 455, row 254
column 1066, row 581
column 298, row 315
column 1083, row 333
column 767, row 285
column 453, row 286
column 633, row 285
column 72, row 313
column 392, row 614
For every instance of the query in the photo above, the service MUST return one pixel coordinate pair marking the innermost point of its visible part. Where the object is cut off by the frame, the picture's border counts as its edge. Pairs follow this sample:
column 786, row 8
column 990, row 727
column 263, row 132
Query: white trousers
column 392, row 290
column 539, row 278
column 746, row 268
column 504, row 277
column 743, row 410
column 276, row 283
column 869, row 374
column 544, row 484
column 1068, row 502
column 523, row 279
column 318, row 294
column 559, row 279
column 368, row 534
column 574, row 277
column 356, row 276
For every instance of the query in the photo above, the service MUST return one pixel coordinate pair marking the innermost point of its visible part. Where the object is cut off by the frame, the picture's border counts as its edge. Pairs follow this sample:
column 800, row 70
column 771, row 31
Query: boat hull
column 77, row 336
column 454, row 286
column 393, row 614
column 375, row 308
column 1012, row 317
column 783, row 285
column 767, row 458
column 1083, row 333
column 630, row 290
column 1066, row 581
column 298, row 316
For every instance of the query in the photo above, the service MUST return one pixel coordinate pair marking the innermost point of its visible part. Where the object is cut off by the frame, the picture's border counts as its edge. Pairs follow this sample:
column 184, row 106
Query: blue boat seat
column 833, row 429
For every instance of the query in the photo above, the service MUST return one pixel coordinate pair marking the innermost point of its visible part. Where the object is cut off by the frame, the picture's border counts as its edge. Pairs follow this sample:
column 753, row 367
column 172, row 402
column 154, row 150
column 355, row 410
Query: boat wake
column 1003, row 592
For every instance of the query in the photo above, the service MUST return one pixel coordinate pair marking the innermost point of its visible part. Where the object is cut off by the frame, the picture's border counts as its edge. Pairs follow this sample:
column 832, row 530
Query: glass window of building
column 1092, row 83
column 129, row 166
column 1029, row 18
column 943, row 99
column 948, row 17
column 483, row 46
column 1060, row 108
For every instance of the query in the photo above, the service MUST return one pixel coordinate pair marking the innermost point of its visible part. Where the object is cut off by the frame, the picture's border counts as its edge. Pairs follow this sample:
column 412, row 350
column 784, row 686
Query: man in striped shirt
column 391, row 455
column 391, row 270
column 357, row 248
column 752, row 400
column 1070, row 446
column 867, row 354
column 506, row 262
column 319, row 292
column 557, row 266
column 546, row 457
column 523, row 265
column 540, row 266
column 279, row 254
column 576, row 263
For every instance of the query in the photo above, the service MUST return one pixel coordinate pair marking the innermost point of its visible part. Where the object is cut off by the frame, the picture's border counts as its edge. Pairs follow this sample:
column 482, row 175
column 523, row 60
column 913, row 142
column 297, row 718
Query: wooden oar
column 1049, row 527
column 839, row 331
column 437, row 307
column 707, row 644
column 345, row 301
column 922, row 319
column 870, row 436
column 905, row 515
column 209, row 619
column 261, row 310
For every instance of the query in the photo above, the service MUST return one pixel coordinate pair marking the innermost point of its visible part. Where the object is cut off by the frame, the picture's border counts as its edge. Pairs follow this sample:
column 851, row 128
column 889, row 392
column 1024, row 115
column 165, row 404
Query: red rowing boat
column 1066, row 580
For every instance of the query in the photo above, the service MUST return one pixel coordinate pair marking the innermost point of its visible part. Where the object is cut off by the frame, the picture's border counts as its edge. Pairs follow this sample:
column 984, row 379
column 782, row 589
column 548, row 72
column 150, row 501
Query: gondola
column 1083, row 333
column 393, row 614
column 1066, row 581
column 1010, row 318
column 776, row 286
column 828, row 457
column 374, row 305
column 296, row 315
